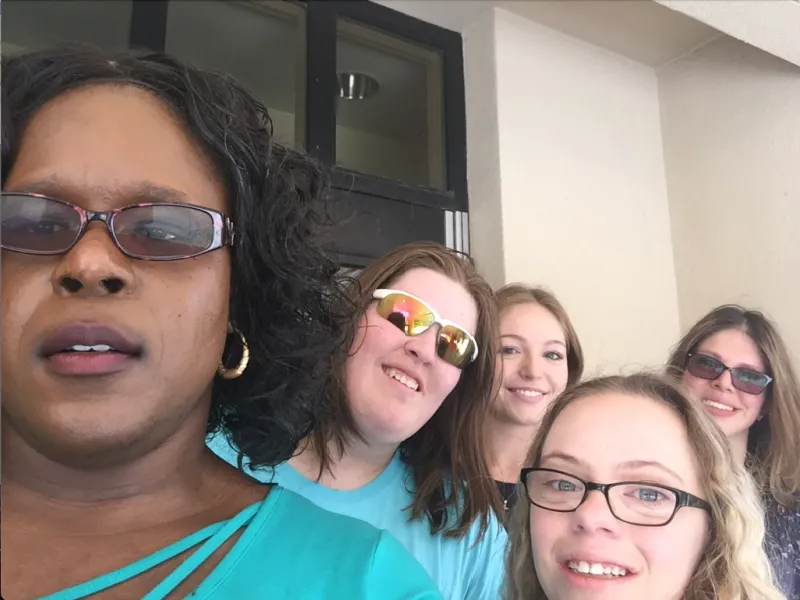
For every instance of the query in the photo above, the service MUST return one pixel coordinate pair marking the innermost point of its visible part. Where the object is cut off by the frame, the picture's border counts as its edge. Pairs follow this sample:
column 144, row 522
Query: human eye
column 649, row 494
column 553, row 355
column 561, row 485
column 509, row 350
column 166, row 232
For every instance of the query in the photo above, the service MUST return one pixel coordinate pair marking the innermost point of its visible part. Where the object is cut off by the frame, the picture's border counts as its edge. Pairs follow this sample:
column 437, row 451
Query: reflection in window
column 389, row 114
column 34, row 25
column 262, row 44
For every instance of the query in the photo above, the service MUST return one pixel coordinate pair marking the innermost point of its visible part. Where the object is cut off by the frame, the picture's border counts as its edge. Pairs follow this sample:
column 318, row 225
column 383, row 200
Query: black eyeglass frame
column 224, row 231
column 733, row 370
column 683, row 499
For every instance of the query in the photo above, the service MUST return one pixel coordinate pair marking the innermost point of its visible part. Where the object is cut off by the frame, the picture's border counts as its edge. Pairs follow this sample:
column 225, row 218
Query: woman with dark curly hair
column 403, row 447
column 161, row 282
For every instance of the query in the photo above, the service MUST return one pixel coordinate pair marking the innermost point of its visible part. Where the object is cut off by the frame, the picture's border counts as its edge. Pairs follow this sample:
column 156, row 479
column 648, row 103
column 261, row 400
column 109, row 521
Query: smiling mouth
column 600, row 570
column 718, row 405
column 402, row 378
column 527, row 392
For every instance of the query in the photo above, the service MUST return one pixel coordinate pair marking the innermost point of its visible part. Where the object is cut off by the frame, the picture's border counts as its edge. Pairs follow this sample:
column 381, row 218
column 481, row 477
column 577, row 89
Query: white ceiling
column 773, row 26
column 641, row 30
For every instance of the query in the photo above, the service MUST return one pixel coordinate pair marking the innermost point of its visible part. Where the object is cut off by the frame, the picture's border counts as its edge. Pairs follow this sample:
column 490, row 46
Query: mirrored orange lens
column 405, row 313
column 455, row 346
column 412, row 317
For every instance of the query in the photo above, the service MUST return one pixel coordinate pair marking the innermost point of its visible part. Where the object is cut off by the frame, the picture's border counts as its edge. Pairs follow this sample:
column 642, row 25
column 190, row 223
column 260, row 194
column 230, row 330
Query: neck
column 738, row 444
column 358, row 465
column 508, row 444
column 156, row 485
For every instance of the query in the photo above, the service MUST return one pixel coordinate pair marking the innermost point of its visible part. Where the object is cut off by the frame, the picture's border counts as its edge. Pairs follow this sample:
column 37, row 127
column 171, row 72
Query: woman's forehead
column 609, row 431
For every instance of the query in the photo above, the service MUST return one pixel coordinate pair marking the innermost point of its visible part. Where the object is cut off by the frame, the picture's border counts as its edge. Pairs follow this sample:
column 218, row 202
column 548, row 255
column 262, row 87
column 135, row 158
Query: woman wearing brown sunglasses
column 403, row 444
column 734, row 361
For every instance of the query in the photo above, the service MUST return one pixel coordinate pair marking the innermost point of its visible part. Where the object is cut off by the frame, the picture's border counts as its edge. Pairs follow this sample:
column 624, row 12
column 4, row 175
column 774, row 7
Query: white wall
column 487, row 243
column 642, row 198
column 583, row 194
column 731, row 126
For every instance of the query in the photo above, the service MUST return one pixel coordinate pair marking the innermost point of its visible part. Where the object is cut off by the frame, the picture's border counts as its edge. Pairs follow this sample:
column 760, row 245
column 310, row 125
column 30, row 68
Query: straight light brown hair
column 514, row 294
column 453, row 487
column 774, row 441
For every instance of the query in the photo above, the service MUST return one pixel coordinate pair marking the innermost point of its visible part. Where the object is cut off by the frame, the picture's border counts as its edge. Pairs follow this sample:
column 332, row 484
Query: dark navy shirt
column 783, row 546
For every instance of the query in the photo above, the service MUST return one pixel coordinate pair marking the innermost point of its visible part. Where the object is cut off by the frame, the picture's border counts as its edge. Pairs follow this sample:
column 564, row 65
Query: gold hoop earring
column 237, row 371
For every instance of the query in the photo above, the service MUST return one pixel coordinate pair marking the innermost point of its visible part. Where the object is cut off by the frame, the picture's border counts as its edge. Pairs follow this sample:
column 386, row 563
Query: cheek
column 673, row 551
column 367, row 341
column 368, row 346
column 24, row 290
column 752, row 403
column 445, row 378
column 695, row 385
column 559, row 375
column 193, row 310
column 508, row 369
column 546, row 528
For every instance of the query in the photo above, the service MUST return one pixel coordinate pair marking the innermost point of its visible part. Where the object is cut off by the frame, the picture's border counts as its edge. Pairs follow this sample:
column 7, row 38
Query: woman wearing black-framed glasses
column 631, row 493
column 735, row 362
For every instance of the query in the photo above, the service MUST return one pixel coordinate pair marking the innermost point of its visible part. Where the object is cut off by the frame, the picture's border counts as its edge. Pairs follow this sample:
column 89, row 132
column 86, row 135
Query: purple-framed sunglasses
column 37, row 224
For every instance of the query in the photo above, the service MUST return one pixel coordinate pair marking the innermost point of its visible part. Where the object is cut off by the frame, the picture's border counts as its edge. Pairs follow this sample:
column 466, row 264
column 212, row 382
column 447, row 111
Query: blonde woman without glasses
column 540, row 356
column 670, row 515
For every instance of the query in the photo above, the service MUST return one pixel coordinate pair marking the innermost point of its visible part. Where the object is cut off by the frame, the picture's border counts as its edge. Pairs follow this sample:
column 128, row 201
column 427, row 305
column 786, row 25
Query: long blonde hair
column 734, row 566
column 773, row 442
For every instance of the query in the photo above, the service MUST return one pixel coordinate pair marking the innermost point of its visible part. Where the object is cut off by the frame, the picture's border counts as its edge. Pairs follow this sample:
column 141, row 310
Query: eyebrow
column 524, row 341
column 629, row 464
column 719, row 358
column 136, row 191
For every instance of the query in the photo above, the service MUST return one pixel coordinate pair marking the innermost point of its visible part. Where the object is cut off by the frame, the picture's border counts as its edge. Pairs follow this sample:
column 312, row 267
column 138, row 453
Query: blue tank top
column 288, row 548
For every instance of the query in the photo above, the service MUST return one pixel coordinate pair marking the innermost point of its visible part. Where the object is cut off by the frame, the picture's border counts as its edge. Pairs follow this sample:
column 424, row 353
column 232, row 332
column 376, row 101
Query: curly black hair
column 284, row 297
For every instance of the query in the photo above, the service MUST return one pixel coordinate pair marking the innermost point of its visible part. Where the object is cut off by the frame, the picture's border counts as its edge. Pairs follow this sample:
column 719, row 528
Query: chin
column 93, row 438
column 386, row 434
column 528, row 418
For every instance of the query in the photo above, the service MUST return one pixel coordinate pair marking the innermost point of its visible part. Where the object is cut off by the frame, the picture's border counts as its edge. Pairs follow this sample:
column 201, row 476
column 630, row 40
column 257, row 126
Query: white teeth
column 527, row 393
column 95, row 348
column 596, row 569
column 407, row 381
column 718, row 405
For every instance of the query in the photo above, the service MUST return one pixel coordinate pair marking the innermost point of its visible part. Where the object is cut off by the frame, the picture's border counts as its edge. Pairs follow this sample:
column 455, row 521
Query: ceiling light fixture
column 356, row 86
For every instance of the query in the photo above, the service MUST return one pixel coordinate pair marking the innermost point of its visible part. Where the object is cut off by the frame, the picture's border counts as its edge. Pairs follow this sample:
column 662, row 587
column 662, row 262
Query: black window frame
column 149, row 30
column 321, row 82
column 378, row 213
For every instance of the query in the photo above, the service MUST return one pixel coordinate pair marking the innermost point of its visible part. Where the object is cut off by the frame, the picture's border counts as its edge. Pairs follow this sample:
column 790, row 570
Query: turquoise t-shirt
column 289, row 549
column 460, row 569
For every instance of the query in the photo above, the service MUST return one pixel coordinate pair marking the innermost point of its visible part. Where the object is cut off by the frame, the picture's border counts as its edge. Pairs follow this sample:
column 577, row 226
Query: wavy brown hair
column 453, row 487
column 773, row 442
column 514, row 294
column 734, row 565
